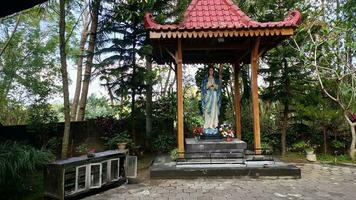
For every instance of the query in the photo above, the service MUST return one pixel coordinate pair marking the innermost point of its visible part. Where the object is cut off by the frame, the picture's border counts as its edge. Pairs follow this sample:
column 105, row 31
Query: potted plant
column 227, row 132
column 82, row 149
column 122, row 145
column 197, row 132
column 310, row 152
column 91, row 153
column 123, row 140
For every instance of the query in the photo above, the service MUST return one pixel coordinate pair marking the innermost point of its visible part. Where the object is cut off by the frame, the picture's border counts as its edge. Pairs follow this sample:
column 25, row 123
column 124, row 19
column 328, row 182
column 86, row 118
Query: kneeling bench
column 79, row 175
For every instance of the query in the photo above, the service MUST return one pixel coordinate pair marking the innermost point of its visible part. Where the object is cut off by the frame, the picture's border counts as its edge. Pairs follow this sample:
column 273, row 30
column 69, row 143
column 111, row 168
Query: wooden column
column 237, row 100
column 255, row 103
column 180, row 125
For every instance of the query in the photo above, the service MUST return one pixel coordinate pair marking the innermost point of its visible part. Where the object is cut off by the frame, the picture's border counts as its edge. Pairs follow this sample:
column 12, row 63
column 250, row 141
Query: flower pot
column 228, row 139
column 121, row 145
column 311, row 157
column 197, row 138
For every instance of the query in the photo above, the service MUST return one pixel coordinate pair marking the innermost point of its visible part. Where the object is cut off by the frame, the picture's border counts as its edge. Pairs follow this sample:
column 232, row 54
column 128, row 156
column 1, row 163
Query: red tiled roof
column 218, row 14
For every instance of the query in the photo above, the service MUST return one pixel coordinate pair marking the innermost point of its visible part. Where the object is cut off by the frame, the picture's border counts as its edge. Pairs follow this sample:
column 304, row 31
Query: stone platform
column 218, row 158
column 164, row 168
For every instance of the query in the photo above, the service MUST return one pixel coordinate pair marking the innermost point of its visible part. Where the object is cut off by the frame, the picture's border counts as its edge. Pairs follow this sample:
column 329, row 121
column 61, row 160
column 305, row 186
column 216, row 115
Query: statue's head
column 211, row 71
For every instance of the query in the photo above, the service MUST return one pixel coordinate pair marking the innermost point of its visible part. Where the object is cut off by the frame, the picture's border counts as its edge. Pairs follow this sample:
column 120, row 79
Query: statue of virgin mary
column 211, row 102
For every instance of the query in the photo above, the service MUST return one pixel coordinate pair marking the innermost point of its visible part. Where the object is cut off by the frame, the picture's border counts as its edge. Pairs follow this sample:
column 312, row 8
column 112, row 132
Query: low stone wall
column 87, row 132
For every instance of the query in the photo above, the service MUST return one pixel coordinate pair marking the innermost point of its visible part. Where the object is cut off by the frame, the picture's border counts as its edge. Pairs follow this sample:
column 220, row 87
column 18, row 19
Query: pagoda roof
column 216, row 31
column 218, row 15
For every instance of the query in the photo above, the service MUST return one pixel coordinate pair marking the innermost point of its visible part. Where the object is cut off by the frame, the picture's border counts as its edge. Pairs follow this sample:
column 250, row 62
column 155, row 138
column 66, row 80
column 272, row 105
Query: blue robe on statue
column 211, row 103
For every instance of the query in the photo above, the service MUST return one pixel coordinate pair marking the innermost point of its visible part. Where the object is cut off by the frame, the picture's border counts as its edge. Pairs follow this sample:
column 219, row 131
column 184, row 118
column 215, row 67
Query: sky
column 94, row 87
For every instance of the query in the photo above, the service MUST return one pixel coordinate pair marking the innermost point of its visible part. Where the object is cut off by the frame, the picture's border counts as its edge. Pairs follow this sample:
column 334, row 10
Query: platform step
column 164, row 168
column 210, row 161
column 235, row 145
column 217, row 155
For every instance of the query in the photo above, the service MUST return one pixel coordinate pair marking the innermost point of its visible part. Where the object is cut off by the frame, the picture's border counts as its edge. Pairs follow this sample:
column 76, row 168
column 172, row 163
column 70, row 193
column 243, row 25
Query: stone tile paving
column 318, row 182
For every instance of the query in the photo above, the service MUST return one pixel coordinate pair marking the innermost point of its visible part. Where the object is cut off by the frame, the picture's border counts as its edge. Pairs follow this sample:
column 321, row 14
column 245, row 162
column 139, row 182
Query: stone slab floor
column 319, row 181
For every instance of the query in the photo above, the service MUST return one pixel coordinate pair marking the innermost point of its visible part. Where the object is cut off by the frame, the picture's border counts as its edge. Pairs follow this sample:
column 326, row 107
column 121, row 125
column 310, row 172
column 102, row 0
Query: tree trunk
column 353, row 138
column 325, row 140
column 323, row 9
column 353, row 142
column 133, row 115
column 286, row 108
column 88, row 65
column 284, row 129
column 167, row 82
column 62, row 52
column 78, row 85
column 133, row 93
column 170, row 89
column 111, row 96
column 149, row 104
column 11, row 36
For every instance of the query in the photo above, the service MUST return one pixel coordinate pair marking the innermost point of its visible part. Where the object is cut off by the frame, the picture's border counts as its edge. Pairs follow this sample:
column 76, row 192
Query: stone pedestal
column 219, row 158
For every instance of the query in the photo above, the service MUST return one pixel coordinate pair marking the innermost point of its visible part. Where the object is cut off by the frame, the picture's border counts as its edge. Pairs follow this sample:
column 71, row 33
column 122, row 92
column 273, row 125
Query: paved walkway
column 318, row 182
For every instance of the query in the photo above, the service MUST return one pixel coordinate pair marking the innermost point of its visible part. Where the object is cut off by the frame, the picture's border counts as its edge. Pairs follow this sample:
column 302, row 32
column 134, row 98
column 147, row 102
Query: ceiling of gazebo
column 216, row 31
column 212, row 50
column 18, row 5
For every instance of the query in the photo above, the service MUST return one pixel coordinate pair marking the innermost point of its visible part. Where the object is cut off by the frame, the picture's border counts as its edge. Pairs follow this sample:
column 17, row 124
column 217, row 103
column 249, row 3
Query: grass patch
column 298, row 157
column 29, row 188
column 331, row 159
column 295, row 157
column 144, row 161
column 35, row 184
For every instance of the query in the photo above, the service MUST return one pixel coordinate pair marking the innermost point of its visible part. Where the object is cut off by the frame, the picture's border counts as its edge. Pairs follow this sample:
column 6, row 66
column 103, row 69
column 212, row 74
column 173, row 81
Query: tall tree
column 148, row 103
column 284, row 75
column 63, row 58
column 94, row 14
column 78, row 85
column 285, row 78
column 28, row 70
column 329, row 53
column 122, row 33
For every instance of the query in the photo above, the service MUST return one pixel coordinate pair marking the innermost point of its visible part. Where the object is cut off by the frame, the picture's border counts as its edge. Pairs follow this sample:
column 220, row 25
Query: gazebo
column 217, row 31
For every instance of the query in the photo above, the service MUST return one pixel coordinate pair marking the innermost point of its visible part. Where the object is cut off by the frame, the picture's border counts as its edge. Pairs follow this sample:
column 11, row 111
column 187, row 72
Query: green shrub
column 42, row 124
column 18, row 162
column 123, row 137
column 299, row 146
column 163, row 143
column 174, row 154
column 267, row 148
column 303, row 146
column 53, row 145
column 337, row 145
column 82, row 148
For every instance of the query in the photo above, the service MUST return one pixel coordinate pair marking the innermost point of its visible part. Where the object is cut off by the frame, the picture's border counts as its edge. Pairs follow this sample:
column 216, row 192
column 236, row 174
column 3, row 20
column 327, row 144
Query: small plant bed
column 143, row 164
column 35, row 184
column 339, row 159
column 296, row 157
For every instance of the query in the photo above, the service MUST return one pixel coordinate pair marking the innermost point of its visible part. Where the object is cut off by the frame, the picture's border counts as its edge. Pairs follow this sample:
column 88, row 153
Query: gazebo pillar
column 237, row 101
column 179, row 77
column 255, row 103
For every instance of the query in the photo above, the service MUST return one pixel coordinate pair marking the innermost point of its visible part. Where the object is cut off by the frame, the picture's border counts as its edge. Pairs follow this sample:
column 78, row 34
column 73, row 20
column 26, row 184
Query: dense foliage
column 17, row 163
